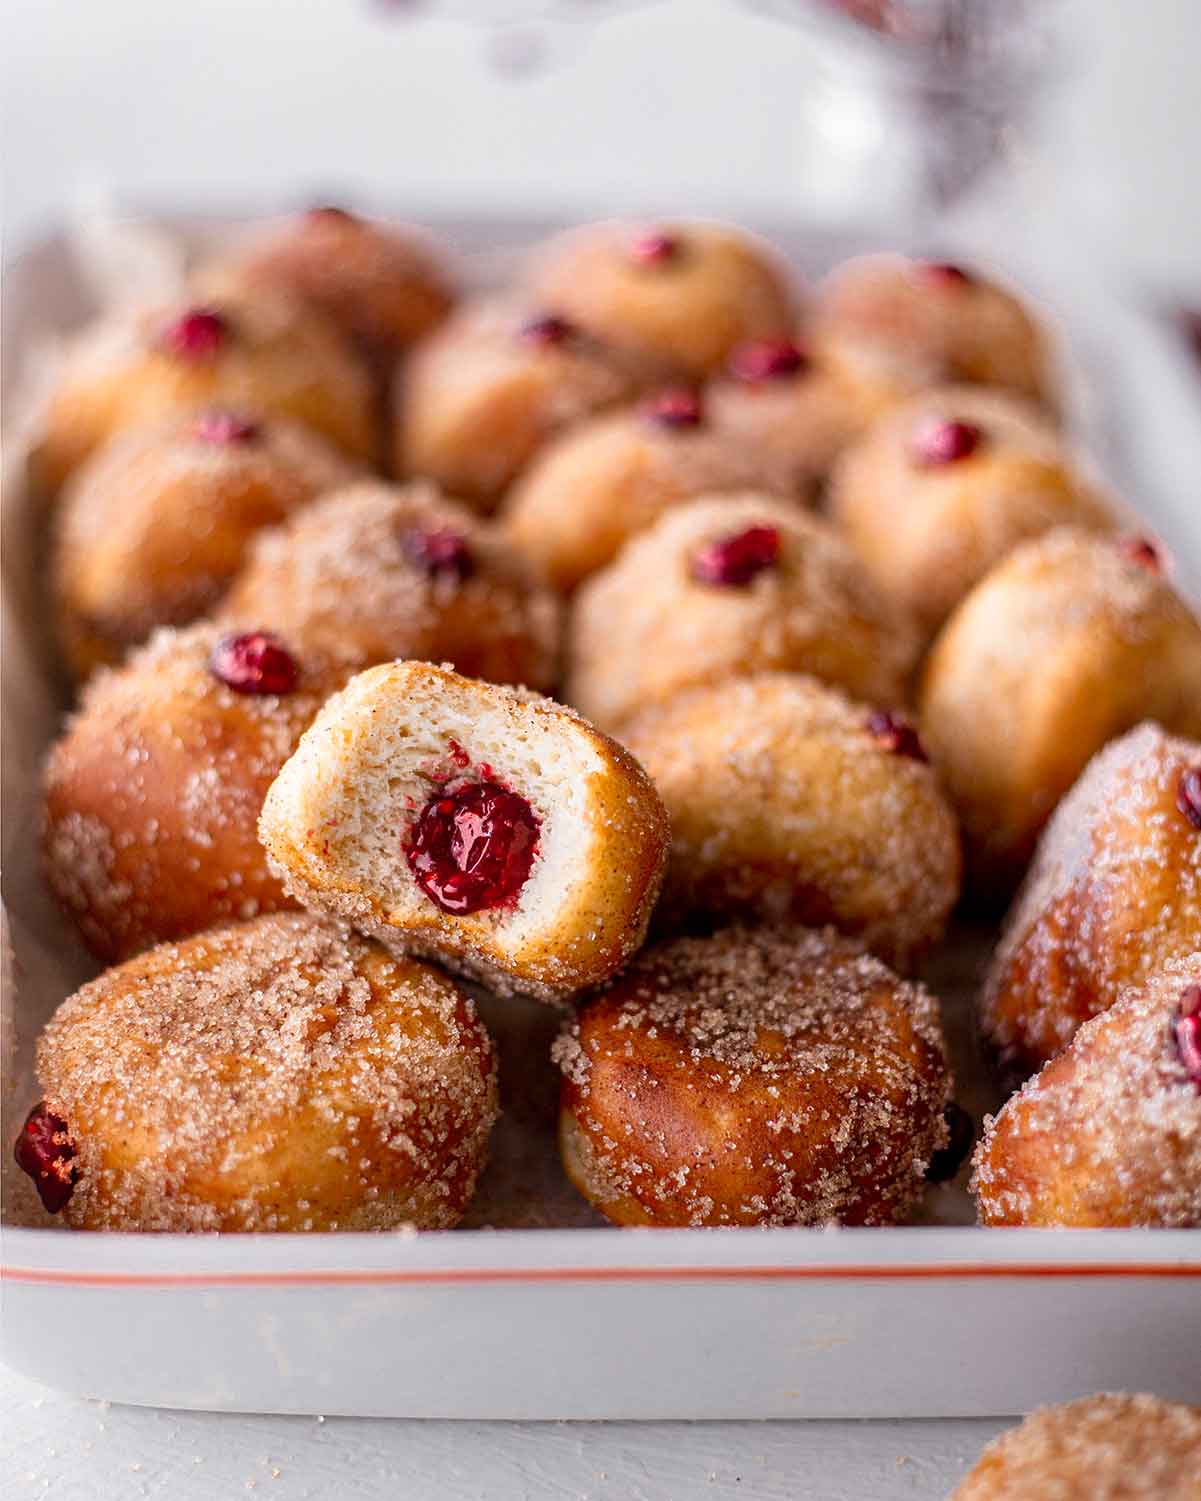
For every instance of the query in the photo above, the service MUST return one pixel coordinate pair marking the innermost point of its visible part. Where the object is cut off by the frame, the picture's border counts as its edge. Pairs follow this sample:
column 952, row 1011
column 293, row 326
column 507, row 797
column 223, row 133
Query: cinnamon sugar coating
column 1114, row 892
column 1109, row 1132
column 785, row 804
column 776, row 1076
column 1069, row 643
column 282, row 1074
column 346, row 578
column 153, row 791
column 1111, row 1447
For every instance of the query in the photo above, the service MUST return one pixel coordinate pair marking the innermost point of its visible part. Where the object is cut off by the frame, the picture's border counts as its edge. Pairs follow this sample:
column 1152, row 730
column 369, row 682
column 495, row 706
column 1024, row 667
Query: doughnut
column 725, row 587
column 153, row 527
column 255, row 353
column 590, row 489
column 480, row 397
column 380, row 284
column 789, row 801
column 775, row 1076
column 777, row 397
column 944, row 487
column 485, row 827
column 153, row 789
column 374, row 572
column 1071, row 641
column 1110, row 1447
column 895, row 326
column 1109, row 1131
column 1114, row 892
column 280, row 1074
column 684, row 294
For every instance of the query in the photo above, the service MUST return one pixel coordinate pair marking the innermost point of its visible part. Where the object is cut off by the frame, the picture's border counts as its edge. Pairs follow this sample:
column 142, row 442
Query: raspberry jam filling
column 1188, row 795
column 767, row 359
column 938, row 441
column 1143, row 551
column 196, row 335
column 656, row 249
column 438, row 550
column 44, row 1151
column 254, row 662
column 678, row 406
column 330, row 213
column 1187, row 1032
column 221, row 427
column 946, row 1162
column 546, row 332
column 894, row 733
column 472, row 850
column 946, row 273
column 735, row 561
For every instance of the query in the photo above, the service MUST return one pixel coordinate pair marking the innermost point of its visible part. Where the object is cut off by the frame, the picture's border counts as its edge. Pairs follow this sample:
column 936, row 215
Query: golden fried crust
column 282, row 1074
column 1066, row 645
column 776, row 1076
column 927, row 533
column 154, row 526
column 153, row 792
column 1110, row 1447
column 1114, row 892
column 342, row 579
column 783, row 804
column 276, row 359
column 338, row 818
column 646, row 627
column 689, row 308
column 1109, row 1132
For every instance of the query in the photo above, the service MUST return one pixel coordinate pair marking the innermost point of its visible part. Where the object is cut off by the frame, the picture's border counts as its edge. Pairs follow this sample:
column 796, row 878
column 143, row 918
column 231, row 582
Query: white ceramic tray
column 586, row 1321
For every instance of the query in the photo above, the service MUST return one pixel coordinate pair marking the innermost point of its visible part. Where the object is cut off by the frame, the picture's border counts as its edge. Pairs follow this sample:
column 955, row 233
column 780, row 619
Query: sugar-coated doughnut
column 375, row 571
column 1074, row 639
column 939, row 491
column 280, row 1074
column 1114, row 892
column 153, row 790
column 724, row 587
column 684, row 293
column 789, row 801
column 776, row 1076
column 1110, row 1447
column 494, row 830
column 153, row 527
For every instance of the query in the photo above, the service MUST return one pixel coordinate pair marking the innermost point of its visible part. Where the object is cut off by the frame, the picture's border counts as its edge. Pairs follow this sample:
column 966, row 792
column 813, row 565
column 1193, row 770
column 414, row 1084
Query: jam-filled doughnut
column 1110, row 1447
column 685, row 294
column 1114, row 892
column 724, row 587
column 776, row 1076
column 492, row 829
column 1072, row 640
column 381, row 284
column 789, row 801
column 155, row 524
column 280, row 1074
column 480, row 397
column 593, row 488
column 375, row 571
column 939, row 491
column 1109, row 1132
column 256, row 353
column 154, row 788
column 895, row 325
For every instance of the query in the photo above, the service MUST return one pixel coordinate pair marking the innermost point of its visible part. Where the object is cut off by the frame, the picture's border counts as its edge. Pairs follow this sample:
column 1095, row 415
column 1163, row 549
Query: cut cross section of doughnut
column 483, row 826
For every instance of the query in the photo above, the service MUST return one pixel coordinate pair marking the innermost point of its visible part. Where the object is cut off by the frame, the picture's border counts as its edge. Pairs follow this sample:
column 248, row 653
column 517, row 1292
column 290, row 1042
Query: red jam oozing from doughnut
column 1188, row 795
column 220, row 428
column 939, row 441
column 546, row 332
column 767, row 359
column 439, row 550
column 1143, row 552
column 472, row 850
column 678, row 406
column 330, row 213
column 946, row 273
column 735, row 561
column 44, row 1151
column 197, row 334
column 655, row 249
column 946, row 1162
column 1187, row 1033
column 254, row 662
column 894, row 733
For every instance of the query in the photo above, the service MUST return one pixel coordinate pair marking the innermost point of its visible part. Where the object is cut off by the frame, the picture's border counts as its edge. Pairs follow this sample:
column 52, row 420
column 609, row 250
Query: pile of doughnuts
column 653, row 637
